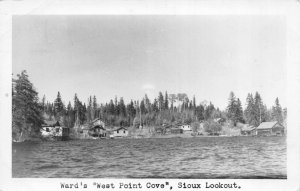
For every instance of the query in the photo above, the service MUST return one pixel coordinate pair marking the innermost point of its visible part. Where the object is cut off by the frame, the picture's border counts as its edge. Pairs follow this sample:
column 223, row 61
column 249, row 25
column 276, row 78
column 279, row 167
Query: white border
column 290, row 9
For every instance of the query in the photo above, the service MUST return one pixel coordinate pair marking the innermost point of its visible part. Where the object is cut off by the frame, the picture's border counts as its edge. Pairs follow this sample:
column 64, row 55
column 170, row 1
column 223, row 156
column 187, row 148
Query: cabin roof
column 118, row 128
column 175, row 128
column 267, row 125
column 248, row 127
column 98, row 126
column 51, row 123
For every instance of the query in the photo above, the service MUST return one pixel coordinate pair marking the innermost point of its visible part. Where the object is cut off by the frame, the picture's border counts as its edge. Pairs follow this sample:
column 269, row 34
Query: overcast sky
column 128, row 56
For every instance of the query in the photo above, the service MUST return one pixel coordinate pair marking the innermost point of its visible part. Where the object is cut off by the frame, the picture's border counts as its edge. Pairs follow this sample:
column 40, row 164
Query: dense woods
column 29, row 113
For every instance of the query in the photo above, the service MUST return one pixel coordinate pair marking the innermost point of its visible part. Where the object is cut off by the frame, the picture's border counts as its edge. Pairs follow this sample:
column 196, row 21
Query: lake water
column 204, row 157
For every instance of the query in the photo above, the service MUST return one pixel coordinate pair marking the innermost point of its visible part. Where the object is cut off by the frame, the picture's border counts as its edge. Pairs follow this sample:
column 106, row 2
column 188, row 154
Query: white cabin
column 54, row 130
column 120, row 132
column 186, row 127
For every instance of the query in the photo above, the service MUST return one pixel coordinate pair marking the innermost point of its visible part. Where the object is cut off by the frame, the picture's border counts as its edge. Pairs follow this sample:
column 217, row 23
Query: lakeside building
column 53, row 130
column 120, row 132
column 176, row 131
column 248, row 130
column 97, row 131
column 270, row 129
column 185, row 128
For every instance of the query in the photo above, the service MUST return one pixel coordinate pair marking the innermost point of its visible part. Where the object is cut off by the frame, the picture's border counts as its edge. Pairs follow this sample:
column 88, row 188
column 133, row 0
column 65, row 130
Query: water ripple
column 205, row 157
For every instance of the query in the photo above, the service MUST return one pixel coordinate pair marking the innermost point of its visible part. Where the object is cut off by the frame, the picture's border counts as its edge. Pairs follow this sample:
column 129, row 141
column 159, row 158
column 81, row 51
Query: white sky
column 128, row 56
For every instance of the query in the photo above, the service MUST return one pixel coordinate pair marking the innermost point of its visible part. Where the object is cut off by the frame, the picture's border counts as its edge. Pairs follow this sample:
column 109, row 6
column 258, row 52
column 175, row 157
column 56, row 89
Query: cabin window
column 124, row 131
column 47, row 129
column 57, row 130
column 117, row 131
column 65, row 130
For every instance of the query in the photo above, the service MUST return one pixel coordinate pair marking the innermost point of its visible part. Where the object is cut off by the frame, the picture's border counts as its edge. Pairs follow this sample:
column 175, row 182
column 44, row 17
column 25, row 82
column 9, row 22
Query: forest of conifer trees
column 29, row 112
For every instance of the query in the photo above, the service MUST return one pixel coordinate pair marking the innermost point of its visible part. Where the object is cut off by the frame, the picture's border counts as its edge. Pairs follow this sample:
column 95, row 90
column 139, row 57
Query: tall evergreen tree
column 58, row 107
column 239, row 111
column 111, row 107
column 166, row 101
column 70, row 116
column 161, row 103
column 122, row 108
column 277, row 114
column 155, row 106
column 142, row 107
column 147, row 104
column 90, row 109
column 131, row 109
column 200, row 112
column 234, row 109
column 26, row 110
column 258, row 107
column 194, row 102
column 44, row 103
column 95, row 109
column 231, row 108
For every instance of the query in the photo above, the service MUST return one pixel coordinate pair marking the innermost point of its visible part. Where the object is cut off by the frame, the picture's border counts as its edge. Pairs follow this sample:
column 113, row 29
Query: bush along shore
column 30, row 113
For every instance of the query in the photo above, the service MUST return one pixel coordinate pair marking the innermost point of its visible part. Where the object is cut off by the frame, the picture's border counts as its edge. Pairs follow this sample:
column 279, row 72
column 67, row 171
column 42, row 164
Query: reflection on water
column 204, row 157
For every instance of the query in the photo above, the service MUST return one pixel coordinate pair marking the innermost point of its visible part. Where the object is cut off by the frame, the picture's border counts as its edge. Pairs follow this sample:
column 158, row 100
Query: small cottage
column 270, row 129
column 186, row 127
column 53, row 129
column 120, row 132
column 97, row 131
column 176, row 131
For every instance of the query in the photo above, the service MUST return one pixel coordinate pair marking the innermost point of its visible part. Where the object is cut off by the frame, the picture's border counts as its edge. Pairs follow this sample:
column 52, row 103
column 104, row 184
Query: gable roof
column 98, row 127
column 50, row 123
column 248, row 128
column 119, row 128
column 267, row 125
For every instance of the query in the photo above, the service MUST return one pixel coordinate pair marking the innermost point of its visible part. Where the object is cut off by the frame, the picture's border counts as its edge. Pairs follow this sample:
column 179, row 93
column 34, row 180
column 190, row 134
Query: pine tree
column 200, row 112
column 111, row 107
column 194, row 102
column 231, row 108
column 76, row 110
column 70, row 116
column 249, row 111
column 95, row 105
column 131, row 109
column 259, row 110
column 239, row 111
column 155, row 106
column 44, row 103
column 142, row 107
column 26, row 110
column 117, row 109
column 166, row 106
column 161, row 101
column 90, row 109
column 147, row 104
column 58, row 107
column 122, row 107
column 277, row 114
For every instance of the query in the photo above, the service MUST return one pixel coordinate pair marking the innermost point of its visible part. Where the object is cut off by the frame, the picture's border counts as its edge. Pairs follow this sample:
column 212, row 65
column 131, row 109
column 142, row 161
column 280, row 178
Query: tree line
column 29, row 113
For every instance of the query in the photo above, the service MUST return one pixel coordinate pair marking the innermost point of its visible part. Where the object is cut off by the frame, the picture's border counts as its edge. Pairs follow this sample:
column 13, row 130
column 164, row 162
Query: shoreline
column 152, row 137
